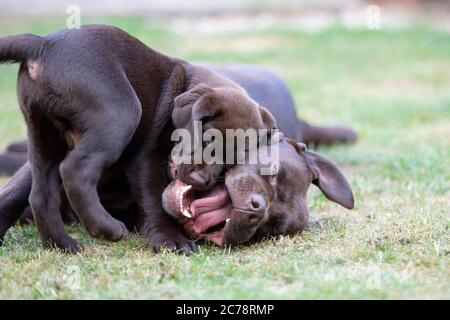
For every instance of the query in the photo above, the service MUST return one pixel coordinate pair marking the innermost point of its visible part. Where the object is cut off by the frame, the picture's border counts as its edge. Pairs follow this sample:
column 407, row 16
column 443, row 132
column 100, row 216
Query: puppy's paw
column 108, row 229
column 172, row 242
column 65, row 244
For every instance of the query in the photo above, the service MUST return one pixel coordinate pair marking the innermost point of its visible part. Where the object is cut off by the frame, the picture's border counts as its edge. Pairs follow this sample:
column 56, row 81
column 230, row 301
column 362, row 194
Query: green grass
column 391, row 86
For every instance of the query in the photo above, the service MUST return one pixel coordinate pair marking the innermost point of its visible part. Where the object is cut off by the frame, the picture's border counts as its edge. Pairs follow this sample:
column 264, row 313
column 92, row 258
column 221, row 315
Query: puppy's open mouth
column 204, row 214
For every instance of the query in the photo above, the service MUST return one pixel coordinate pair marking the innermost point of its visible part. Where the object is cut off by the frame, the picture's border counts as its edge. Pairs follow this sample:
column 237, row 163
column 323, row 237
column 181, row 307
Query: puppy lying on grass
column 249, row 205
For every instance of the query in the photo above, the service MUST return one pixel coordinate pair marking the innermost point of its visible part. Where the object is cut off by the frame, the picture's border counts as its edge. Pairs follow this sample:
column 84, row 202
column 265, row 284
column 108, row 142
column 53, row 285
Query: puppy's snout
column 257, row 203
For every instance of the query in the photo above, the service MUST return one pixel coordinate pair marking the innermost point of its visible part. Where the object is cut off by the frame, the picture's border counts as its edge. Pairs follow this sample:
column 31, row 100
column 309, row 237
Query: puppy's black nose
column 257, row 203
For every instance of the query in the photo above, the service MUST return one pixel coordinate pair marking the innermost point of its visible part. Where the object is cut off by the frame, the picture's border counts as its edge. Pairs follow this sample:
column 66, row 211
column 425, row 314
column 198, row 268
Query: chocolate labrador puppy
column 97, row 99
column 250, row 206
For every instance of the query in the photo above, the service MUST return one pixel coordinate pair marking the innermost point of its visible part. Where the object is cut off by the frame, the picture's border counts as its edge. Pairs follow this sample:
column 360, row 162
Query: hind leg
column 101, row 144
column 46, row 151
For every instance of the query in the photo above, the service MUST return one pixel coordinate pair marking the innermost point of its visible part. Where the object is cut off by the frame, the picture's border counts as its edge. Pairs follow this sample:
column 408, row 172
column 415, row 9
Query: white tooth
column 186, row 213
column 186, row 188
column 227, row 220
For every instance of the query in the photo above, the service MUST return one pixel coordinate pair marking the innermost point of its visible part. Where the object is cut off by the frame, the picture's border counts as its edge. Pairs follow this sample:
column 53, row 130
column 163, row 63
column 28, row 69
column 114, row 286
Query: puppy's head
column 276, row 205
column 218, row 108
column 252, row 205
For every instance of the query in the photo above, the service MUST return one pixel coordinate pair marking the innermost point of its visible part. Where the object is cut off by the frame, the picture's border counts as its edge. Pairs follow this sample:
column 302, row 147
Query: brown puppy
column 250, row 205
column 97, row 100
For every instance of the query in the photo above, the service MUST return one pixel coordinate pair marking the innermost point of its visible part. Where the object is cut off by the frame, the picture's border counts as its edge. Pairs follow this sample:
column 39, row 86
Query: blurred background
column 381, row 67
column 235, row 14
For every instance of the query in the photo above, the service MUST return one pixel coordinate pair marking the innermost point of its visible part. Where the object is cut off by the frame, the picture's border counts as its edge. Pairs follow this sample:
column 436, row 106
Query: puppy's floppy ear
column 268, row 119
column 185, row 103
column 206, row 108
column 327, row 176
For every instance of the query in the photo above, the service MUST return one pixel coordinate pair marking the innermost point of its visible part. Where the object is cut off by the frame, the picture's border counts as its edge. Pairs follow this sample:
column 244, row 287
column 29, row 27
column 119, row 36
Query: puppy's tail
column 21, row 48
column 314, row 135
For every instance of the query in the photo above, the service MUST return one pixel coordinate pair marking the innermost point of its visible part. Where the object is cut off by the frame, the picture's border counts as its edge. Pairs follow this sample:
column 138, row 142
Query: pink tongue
column 211, row 219
column 214, row 200
column 211, row 210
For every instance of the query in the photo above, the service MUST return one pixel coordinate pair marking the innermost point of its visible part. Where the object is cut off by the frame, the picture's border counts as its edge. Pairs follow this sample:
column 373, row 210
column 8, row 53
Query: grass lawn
column 391, row 86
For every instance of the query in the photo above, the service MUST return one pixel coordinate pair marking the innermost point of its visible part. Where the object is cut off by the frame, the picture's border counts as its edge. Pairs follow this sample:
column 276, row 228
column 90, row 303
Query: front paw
column 161, row 241
column 66, row 244
column 108, row 228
